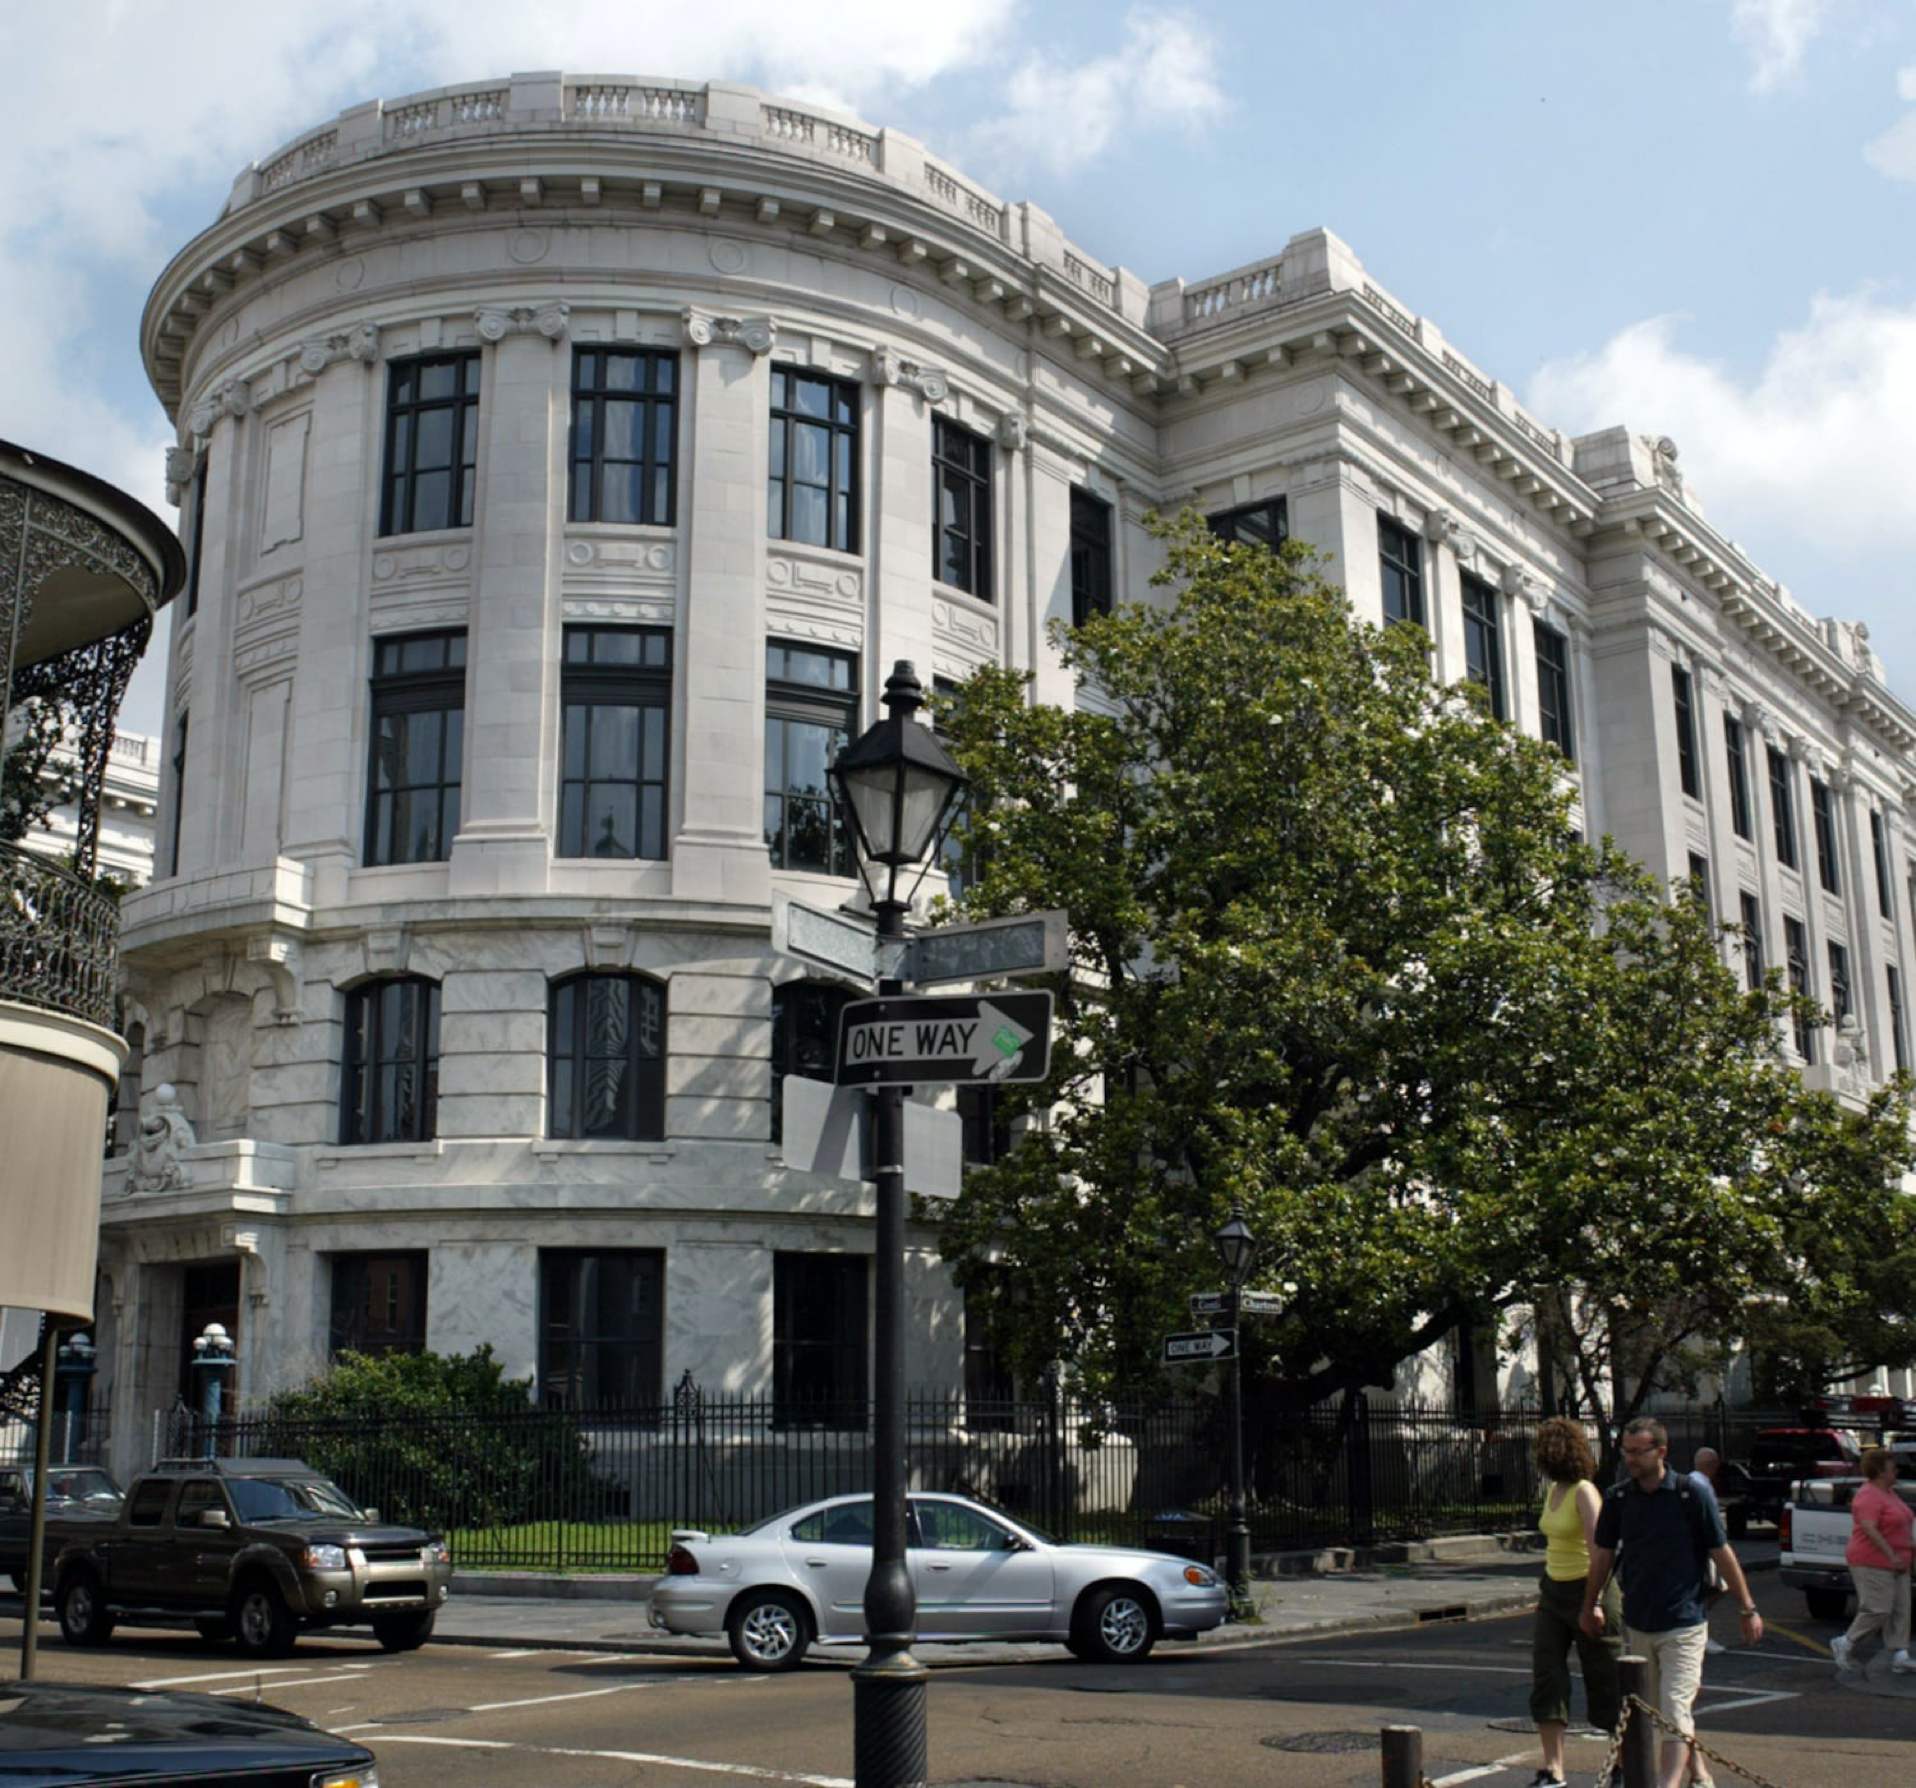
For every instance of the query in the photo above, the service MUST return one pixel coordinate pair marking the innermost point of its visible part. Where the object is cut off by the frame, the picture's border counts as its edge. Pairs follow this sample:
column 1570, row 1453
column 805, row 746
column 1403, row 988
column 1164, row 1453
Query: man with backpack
column 1668, row 1530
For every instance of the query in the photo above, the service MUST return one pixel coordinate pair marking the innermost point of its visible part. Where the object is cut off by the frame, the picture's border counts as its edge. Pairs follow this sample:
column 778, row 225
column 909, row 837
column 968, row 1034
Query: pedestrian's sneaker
column 1713, row 1649
column 1544, row 1779
column 1903, row 1664
column 1840, row 1650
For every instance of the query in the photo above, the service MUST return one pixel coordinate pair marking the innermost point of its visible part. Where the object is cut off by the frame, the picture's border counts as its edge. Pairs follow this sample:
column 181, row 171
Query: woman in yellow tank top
column 1567, row 1521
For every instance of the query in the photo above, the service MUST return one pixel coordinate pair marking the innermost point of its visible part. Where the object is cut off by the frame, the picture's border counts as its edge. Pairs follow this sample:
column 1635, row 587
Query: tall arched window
column 389, row 1089
column 606, row 1058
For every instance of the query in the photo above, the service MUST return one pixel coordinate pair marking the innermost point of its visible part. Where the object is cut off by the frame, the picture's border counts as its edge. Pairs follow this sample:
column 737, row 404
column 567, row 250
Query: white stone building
column 129, row 806
column 565, row 462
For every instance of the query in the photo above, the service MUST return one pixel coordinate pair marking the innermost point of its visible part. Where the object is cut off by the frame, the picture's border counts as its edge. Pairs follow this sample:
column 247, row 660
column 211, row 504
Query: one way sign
column 1199, row 1347
column 964, row 1039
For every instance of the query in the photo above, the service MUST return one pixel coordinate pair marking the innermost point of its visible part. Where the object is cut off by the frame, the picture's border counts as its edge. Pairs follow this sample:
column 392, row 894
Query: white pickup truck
column 1814, row 1534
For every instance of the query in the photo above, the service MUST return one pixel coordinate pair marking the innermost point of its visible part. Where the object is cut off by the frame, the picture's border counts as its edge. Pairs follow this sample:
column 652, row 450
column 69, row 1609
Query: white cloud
column 1894, row 152
column 1776, row 33
column 1062, row 115
column 1806, row 464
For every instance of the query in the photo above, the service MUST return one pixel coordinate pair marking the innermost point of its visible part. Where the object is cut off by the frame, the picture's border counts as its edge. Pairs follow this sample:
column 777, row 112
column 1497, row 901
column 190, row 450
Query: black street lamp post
column 895, row 786
column 1235, row 1248
column 212, row 1360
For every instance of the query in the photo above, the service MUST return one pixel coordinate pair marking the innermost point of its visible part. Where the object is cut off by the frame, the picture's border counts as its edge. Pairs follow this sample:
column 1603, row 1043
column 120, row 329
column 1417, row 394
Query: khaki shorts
column 1675, row 1673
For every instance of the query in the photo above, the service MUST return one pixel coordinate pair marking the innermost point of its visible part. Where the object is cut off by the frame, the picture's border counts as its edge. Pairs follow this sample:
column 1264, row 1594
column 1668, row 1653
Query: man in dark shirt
column 1668, row 1529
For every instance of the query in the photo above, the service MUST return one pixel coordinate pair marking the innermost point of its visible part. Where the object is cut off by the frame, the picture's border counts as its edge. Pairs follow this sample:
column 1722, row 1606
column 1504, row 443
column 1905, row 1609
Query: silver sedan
column 798, row 1580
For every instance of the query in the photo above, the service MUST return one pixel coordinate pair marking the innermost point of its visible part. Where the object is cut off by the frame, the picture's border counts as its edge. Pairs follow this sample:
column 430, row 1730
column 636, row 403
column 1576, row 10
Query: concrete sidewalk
column 1298, row 1596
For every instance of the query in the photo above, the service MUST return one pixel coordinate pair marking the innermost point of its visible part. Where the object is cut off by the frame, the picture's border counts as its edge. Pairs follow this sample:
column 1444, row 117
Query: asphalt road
column 1213, row 1717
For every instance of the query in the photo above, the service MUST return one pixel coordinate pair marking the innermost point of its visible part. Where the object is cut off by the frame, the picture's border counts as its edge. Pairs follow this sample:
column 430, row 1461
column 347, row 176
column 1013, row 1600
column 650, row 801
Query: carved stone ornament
column 1012, row 432
column 234, row 399
column 181, row 464
column 164, row 1135
column 1440, row 527
column 757, row 335
column 1852, row 1056
column 495, row 321
column 1757, row 716
column 1520, row 586
column 893, row 369
column 360, row 343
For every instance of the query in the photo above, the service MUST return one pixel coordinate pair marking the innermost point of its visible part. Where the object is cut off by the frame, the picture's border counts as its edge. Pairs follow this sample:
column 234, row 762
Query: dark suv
column 250, row 1549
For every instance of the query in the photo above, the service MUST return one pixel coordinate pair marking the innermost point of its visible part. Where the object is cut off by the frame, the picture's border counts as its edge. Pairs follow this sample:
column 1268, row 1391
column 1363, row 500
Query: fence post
column 1357, row 1473
column 1640, row 1735
column 1403, row 1756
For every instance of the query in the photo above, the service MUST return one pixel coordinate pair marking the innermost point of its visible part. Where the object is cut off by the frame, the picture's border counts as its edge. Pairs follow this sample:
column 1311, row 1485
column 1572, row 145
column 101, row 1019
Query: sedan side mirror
column 370, row 1514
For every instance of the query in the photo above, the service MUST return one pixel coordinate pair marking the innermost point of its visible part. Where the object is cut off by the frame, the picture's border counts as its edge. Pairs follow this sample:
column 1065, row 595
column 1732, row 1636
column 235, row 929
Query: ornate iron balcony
column 59, row 939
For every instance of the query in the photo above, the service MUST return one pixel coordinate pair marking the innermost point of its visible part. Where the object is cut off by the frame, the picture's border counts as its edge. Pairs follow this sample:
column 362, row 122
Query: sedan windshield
column 290, row 1499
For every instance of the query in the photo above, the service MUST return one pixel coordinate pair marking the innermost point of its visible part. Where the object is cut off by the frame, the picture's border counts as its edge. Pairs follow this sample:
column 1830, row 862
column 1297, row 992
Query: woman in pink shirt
column 1878, row 1560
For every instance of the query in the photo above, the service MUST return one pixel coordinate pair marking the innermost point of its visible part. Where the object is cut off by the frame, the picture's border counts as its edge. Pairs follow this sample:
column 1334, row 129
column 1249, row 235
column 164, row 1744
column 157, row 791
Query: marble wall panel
column 742, row 1119
column 718, row 1316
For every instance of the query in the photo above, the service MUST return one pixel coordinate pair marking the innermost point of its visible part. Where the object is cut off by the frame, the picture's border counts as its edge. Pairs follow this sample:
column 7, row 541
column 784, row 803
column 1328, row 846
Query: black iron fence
column 602, row 1490
column 79, row 1437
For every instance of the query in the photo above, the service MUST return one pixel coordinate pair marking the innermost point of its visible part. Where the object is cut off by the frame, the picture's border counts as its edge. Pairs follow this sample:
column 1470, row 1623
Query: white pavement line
column 297, row 1682
column 180, row 1682
column 1749, row 1698
column 1444, row 1669
column 749, row 1771
column 1469, row 1775
column 617, row 1688
column 512, row 1654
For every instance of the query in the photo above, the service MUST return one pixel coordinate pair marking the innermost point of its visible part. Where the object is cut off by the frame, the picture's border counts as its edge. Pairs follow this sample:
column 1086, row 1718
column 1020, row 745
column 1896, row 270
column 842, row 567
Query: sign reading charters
column 954, row 1038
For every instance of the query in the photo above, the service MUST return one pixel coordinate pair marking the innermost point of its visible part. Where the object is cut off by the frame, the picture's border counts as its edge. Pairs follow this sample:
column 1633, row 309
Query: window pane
column 810, row 517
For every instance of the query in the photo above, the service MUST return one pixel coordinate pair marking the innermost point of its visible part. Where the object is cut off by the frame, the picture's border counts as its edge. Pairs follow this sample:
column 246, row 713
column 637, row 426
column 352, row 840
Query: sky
column 1696, row 218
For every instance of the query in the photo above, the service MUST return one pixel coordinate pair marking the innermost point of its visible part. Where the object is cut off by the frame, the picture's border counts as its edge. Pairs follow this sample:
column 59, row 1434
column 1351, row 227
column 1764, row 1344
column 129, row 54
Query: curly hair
column 1563, row 1451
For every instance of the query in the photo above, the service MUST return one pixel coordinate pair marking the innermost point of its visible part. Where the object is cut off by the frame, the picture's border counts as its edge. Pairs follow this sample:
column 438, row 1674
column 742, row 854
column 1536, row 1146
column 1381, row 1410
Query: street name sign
column 1200, row 1347
column 827, row 1129
column 957, row 1039
column 1249, row 1303
column 1029, row 944
column 839, row 941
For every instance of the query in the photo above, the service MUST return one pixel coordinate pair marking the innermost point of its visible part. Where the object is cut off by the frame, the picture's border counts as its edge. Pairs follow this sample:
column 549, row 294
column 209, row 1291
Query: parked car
column 76, row 1734
column 798, row 1580
column 256, row 1550
column 82, row 1492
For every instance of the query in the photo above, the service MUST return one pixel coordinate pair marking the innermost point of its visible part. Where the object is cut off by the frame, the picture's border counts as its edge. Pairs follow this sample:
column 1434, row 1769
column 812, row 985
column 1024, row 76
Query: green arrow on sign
column 1004, row 1040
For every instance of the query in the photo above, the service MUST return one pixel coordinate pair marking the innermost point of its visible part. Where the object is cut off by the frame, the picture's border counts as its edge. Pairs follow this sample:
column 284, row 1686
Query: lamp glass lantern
column 1236, row 1247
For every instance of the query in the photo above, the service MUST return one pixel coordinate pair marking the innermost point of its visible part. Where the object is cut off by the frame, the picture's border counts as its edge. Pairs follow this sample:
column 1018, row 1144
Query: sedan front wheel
column 1114, row 1625
column 769, row 1630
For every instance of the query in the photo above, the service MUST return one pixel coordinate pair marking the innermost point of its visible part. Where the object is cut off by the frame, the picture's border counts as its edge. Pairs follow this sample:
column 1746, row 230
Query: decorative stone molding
column 1520, row 586
column 181, row 464
column 930, row 382
column 1012, row 432
column 1440, row 527
column 280, row 958
column 495, row 321
column 757, row 335
column 360, row 343
column 387, row 950
column 1756, row 715
column 234, row 399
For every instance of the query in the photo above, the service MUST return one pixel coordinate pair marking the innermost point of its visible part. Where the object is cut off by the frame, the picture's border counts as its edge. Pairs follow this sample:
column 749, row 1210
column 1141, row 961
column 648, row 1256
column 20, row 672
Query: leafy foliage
column 443, row 1441
column 1341, row 958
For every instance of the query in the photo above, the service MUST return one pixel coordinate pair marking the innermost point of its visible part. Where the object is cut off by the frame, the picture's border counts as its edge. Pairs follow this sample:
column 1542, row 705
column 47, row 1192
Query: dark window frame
column 1796, row 957
column 962, row 464
column 180, row 729
column 391, row 1033
column 354, row 1275
column 1092, row 565
column 1555, row 713
column 1400, row 558
column 1897, row 1039
column 1699, row 878
column 1683, row 691
column 806, row 702
column 1483, row 642
column 403, row 473
column 1782, row 808
column 398, row 695
column 1266, row 524
column 196, row 535
column 1842, row 993
column 1879, row 847
column 656, row 398
column 1753, row 964
column 821, row 1347
column 1742, row 815
column 840, row 423
column 597, row 674
column 604, row 1357
column 1823, row 826
column 574, row 1064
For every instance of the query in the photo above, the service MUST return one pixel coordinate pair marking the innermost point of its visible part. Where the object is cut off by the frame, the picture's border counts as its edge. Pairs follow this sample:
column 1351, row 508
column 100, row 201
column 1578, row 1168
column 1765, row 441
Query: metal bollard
column 1403, row 1756
column 1640, row 1737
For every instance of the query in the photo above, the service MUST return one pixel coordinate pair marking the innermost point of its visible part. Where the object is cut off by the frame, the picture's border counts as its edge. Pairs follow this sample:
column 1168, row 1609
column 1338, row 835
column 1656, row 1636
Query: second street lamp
column 1236, row 1248
column 896, row 787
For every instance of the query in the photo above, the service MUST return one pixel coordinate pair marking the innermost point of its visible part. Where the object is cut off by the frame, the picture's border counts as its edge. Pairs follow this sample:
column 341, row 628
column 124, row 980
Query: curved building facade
column 564, row 462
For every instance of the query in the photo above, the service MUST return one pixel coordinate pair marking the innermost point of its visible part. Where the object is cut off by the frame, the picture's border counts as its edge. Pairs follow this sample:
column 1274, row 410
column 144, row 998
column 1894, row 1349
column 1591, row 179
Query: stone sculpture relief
column 164, row 1136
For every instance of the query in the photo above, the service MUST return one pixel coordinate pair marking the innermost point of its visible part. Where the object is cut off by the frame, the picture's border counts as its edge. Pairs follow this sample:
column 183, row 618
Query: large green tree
column 1343, row 959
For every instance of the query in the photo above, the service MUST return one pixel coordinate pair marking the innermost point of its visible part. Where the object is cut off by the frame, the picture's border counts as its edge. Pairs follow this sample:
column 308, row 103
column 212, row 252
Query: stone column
column 504, row 844
column 898, row 593
column 719, row 851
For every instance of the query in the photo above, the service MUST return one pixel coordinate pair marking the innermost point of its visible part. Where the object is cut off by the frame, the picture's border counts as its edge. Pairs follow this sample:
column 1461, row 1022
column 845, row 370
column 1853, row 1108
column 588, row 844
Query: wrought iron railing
column 59, row 938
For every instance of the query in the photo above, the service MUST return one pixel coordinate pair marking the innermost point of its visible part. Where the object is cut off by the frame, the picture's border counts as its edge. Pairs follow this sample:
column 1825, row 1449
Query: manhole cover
column 1325, row 1743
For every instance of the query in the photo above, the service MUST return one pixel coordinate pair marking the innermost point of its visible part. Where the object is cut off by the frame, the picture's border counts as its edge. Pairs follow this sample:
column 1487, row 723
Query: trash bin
column 1183, row 1535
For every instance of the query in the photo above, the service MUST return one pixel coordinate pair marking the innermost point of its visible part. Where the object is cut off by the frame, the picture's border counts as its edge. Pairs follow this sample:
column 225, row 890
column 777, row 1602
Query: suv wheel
column 84, row 1619
column 261, row 1623
column 403, row 1632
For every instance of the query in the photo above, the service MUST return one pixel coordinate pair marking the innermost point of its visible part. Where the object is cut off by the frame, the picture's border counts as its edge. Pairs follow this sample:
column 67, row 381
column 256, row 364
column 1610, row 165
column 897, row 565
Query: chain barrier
column 1696, row 1744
